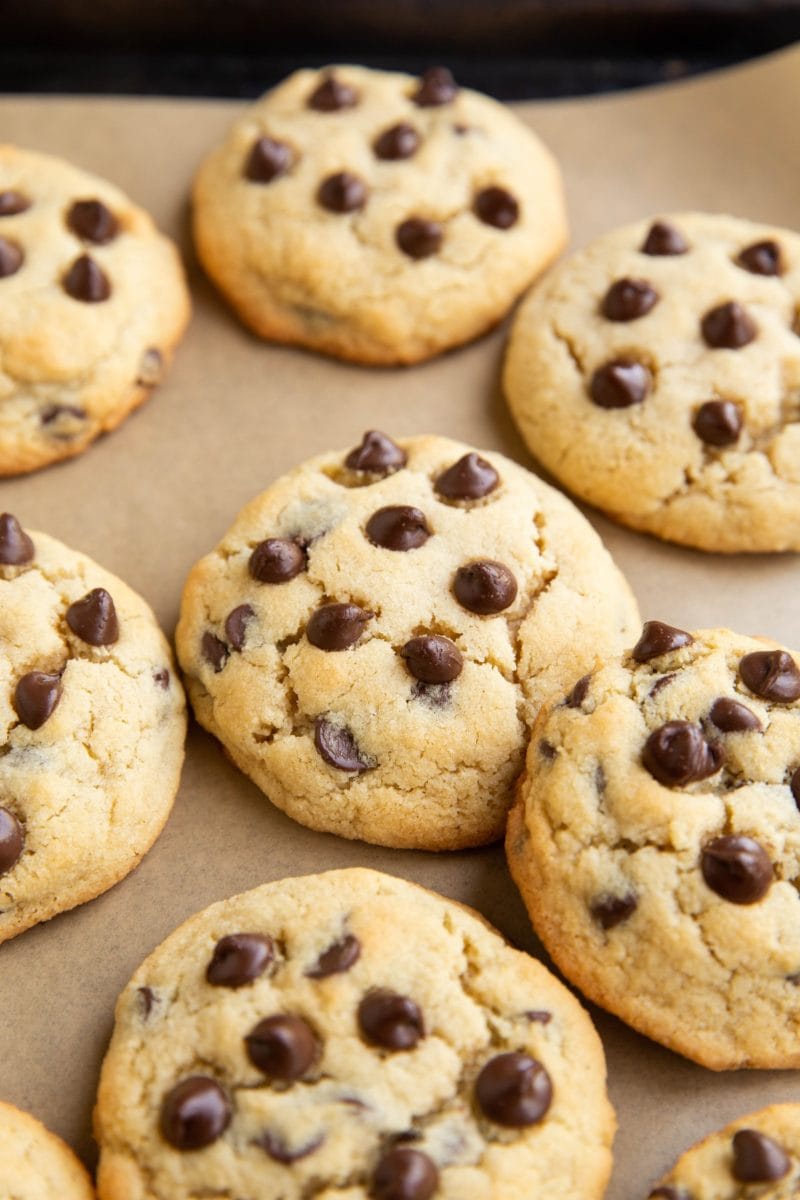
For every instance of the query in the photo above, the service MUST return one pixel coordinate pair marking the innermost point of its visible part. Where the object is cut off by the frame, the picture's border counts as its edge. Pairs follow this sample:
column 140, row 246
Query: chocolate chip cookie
column 349, row 1034
column 35, row 1164
column 373, row 637
column 92, row 724
column 657, row 375
column 92, row 303
column 374, row 216
column 656, row 842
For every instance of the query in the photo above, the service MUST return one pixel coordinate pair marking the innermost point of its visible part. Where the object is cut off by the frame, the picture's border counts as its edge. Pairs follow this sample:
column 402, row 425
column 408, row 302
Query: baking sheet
column 147, row 501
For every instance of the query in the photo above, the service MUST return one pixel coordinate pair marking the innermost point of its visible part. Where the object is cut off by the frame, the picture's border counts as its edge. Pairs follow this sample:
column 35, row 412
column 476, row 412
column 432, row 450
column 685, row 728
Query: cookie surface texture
column 375, row 216
column 92, row 303
column 657, row 375
column 656, row 843
column 371, row 642
column 285, row 1043
column 36, row 1165
column 92, row 726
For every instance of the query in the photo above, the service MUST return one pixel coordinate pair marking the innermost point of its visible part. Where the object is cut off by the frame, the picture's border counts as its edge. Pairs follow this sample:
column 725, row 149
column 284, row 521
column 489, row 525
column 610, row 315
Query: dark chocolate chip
column 11, row 840
column 162, row 678
column 342, row 193
column 195, row 1113
column 663, row 239
column 540, row 1015
column 390, row 1020
column 86, row 281
column 758, row 1158
column 398, row 527
column 728, row 327
column 16, row 547
column 514, row 1090
column 336, row 744
column 762, row 258
column 436, row 87
column 267, row 160
column 718, row 422
column 336, row 626
column 214, row 651
column 332, row 94
column 55, row 412
column 12, row 203
column 732, row 717
column 338, row 958
column 94, row 618
column 277, row 1149
column 609, row 911
column 547, row 750
column 468, row 479
column 404, row 1174
column 276, row 560
column 418, row 237
column 485, row 587
column 147, row 1000
column 795, row 786
column 282, row 1047
column 620, row 383
column 433, row 659
column 377, row 454
column 11, row 258
column 772, row 674
column 399, row 141
column 151, row 368
column 678, row 754
column 737, row 869
column 239, row 958
column 629, row 299
column 236, row 624
column 657, row 639
column 578, row 694
column 497, row 207
column 35, row 697
column 92, row 221
column 660, row 684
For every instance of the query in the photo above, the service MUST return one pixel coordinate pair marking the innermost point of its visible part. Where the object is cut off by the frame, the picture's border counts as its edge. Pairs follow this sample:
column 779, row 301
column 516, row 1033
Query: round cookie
column 656, row 843
column 375, row 216
column 92, row 303
column 758, row 1155
column 92, row 726
column 657, row 375
column 373, row 637
column 288, row 1042
column 36, row 1165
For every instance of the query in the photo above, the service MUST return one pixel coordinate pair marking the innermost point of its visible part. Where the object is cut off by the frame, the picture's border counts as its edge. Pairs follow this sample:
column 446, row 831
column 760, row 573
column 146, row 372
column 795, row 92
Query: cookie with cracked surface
column 92, row 303
column 92, row 725
column 37, row 1165
column 656, row 843
column 657, row 375
column 373, row 637
column 349, row 1034
column 374, row 216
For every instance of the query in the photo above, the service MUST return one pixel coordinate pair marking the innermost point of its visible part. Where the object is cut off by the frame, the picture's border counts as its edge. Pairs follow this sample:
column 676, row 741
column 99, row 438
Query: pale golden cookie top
column 35, row 1164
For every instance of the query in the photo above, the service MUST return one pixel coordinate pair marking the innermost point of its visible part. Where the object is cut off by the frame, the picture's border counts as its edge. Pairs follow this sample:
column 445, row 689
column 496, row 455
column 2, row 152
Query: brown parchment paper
column 148, row 500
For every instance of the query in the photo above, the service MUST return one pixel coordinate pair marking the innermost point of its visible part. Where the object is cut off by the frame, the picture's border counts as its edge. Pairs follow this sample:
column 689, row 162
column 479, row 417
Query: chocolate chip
column 497, row 207
column 11, row 258
column 620, row 383
column 762, row 258
column 758, row 1158
column 94, row 618
column 92, row 221
column 629, row 299
column 404, row 1174
column 147, row 1001
column 214, row 651
column 468, row 479
column 12, row 203
column 342, row 193
column 732, row 717
column 377, row 454
column 151, row 368
column 162, row 678
column 578, row 694
column 514, row 1090
column 195, row 1113
column 540, row 1015
column 398, row 527
column 772, row 674
column 737, row 869
column 418, row 237
column 795, row 786
column 337, row 626
column 728, row 327
column 55, row 413
column 276, row 560
column 609, row 911
column 432, row 658
column 239, row 958
column 277, row 1149
column 16, row 547
column 390, row 1020
column 437, row 86
column 267, row 160
column 547, row 750
column 433, row 695
column 658, row 638
column 485, row 587
column 282, row 1047
column 35, row 698
column 336, row 744
column 332, row 94
column 338, row 958
column 660, row 684
column 678, row 754
column 236, row 624
column 663, row 239
column 399, row 141
column 718, row 422
column 86, row 281
column 11, row 840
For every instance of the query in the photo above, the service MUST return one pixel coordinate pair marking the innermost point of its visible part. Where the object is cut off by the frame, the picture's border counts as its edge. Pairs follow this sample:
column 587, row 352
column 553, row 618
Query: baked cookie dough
column 373, row 637
column 349, row 1035
column 656, row 843
column 92, row 303
column 35, row 1164
column 375, row 216
column 657, row 375
column 92, row 725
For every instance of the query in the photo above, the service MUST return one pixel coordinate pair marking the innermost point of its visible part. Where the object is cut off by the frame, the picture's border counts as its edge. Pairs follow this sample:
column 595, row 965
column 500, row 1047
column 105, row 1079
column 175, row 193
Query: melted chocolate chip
column 468, row 479
column 728, row 327
column 433, row 695
column 758, row 1158
column 336, row 626
column 55, row 413
column 195, row 1113
column 514, row 1090
column 389, row 1020
column 677, row 754
column 342, row 193
column 578, row 694
column 629, row 299
column 86, row 281
column 418, row 237
column 239, row 958
column 16, row 547
column 11, row 258
column 94, row 618
column 497, row 207
column 277, row 1149
column 91, row 221
column 377, row 454
column 337, row 745
column 276, row 560
column 12, row 203
column 657, row 639
column 433, row 659
column 660, row 684
column 737, row 869
column 762, row 258
column 236, row 624
column 540, row 1015
column 282, row 1047
column 35, row 698
column 732, row 717
column 718, row 422
column 338, row 958
column 161, row 678
column 11, row 840
column 147, row 1001
column 620, row 383
column 609, row 911
column 795, row 787
column 399, row 141
column 404, row 1174
column 547, row 750
column 332, row 94
column 485, row 587
column 772, row 674
column 267, row 160
column 663, row 239
column 213, row 651
column 398, row 527
column 436, row 87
